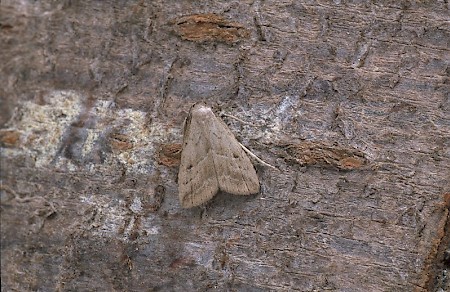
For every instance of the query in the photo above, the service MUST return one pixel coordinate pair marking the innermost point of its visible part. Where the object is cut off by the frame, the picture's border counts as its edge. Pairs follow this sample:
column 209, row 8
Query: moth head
column 200, row 108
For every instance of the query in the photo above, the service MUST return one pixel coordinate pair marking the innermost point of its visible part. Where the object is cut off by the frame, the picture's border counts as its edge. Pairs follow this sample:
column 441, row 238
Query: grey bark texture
column 348, row 99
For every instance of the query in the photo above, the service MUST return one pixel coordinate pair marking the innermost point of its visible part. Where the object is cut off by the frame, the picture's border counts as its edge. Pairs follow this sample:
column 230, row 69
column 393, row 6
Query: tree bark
column 348, row 100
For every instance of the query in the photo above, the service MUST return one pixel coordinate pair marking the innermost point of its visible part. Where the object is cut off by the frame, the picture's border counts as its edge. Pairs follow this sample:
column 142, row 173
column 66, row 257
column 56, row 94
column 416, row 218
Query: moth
column 212, row 160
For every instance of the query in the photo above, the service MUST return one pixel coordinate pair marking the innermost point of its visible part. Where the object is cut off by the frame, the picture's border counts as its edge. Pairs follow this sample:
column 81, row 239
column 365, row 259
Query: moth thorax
column 203, row 110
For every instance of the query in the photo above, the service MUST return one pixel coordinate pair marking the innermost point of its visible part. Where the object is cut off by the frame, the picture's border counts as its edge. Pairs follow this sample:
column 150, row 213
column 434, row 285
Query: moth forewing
column 212, row 159
column 197, row 182
column 235, row 172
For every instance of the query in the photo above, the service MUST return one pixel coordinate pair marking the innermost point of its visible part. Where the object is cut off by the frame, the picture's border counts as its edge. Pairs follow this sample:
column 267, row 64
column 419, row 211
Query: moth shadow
column 224, row 199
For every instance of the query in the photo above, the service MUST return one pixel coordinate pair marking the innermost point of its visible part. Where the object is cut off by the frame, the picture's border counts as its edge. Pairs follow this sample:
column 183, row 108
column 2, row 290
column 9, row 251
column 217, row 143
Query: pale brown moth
column 212, row 160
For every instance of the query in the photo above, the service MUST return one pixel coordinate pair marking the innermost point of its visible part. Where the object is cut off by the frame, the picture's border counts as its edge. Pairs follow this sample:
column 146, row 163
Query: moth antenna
column 257, row 158
column 236, row 118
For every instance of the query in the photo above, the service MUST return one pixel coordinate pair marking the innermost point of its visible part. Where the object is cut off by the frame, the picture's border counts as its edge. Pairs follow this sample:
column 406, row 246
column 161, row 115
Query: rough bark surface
column 348, row 99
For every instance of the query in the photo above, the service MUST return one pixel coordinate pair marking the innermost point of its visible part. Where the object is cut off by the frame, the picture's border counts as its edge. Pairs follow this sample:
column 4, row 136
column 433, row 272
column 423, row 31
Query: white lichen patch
column 145, row 137
column 45, row 129
column 154, row 230
column 133, row 124
column 92, row 136
column 136, row 205
column 41, row 125
column 111, row 223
